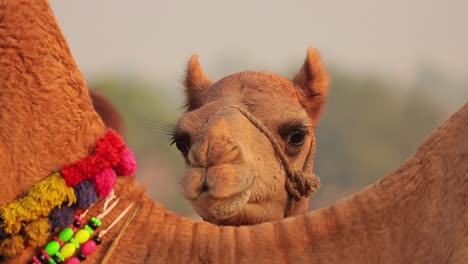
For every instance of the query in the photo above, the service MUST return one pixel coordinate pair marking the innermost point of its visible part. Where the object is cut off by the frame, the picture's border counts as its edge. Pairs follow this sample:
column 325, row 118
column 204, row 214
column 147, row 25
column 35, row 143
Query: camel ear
column 196, row 82
column 313, row 81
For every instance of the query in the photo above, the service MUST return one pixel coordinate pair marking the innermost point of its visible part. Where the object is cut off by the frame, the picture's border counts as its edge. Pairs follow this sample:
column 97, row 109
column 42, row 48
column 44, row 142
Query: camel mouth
column 218, row 182
column 215, row 210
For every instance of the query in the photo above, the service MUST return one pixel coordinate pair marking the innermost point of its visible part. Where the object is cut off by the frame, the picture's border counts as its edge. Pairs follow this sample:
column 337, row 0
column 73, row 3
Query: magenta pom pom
column 127, row 164
column 104, row 182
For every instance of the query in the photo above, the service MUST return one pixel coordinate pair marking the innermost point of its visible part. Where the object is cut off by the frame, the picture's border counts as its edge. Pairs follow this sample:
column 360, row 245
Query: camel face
column 234, row 175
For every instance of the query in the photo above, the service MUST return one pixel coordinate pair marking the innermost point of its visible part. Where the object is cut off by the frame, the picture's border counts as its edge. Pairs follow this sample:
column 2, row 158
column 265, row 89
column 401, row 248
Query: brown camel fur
column 415, row 215
column 235, row 176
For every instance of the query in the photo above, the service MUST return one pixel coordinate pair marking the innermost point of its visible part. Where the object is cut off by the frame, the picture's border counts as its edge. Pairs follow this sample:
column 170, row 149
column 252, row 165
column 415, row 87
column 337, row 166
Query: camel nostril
column 203, row 188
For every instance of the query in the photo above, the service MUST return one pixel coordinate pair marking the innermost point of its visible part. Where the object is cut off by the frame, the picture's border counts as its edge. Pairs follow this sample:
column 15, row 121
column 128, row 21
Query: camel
column 415, row 214
column 248, row 164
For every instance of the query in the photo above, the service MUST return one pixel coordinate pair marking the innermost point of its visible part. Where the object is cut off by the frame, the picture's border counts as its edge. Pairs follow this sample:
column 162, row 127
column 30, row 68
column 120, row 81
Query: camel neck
column 418, row 202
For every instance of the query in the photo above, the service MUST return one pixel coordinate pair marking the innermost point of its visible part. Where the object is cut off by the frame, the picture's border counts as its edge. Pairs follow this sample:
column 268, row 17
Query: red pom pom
column 110, row 146
column 72, row 175
column 110, row 152
column 104, row 182
column 93, row 165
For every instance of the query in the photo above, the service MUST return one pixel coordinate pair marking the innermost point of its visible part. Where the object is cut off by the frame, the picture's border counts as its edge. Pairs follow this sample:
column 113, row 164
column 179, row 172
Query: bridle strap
column 294, row 205
column 299, row 184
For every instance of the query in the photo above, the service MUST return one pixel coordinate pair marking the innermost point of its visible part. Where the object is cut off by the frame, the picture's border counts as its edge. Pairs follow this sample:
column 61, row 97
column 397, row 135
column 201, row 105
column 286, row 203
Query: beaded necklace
column 54, row 202
column 71, row 239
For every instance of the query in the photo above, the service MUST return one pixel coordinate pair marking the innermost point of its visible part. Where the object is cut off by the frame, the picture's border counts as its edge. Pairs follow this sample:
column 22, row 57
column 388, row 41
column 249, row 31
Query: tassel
column 12, row 247
column 37, row 232
column 41, row 199
column 86, row 194
column 61, row 217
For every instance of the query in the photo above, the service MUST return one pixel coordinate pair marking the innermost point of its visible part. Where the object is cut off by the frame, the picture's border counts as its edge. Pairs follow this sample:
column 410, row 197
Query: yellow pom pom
column 11, row 247
column 37, row 232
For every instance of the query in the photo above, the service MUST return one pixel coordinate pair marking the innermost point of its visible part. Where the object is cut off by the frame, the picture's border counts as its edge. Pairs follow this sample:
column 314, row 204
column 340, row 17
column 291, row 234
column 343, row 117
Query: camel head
column 227, row 135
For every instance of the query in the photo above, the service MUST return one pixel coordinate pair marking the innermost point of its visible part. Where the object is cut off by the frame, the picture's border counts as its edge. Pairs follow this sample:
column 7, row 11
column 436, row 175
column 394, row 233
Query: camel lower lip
column 210, row 200
column 215, row 209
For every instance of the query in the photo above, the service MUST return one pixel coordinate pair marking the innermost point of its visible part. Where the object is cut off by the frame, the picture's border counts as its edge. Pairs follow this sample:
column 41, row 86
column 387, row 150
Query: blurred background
column 398, row 69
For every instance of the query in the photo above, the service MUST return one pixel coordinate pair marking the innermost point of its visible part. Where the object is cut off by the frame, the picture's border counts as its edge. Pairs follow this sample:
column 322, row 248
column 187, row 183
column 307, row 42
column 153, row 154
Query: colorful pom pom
column 72, row 174
column 127, row 164
column 110, row 146
column 61, row 216
column 104, row 182
column 106, row 154
column 85, row 194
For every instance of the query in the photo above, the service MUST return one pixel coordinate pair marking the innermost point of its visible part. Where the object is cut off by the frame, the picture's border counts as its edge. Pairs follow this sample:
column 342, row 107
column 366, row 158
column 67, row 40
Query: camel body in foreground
column 414, row 215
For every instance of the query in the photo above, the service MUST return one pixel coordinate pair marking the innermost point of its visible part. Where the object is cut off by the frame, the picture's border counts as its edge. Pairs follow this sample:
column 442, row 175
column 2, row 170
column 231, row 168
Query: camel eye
column 294, row 133
column 182, row 142
column 297, row 138
column 183, row 147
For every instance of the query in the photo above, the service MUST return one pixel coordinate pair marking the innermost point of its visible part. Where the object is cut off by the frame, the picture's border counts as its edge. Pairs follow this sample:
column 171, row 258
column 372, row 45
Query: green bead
column 58, row 255
column 52, row 247
column 68, row 250
column 74, row 242
column 82, row 236
column 66, row 234
column 96, row 221
column 89, row 229
column 52, row 261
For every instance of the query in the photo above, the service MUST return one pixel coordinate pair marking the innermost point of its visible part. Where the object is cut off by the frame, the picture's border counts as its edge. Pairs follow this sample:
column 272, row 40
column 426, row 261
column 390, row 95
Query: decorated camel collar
column 60, row 202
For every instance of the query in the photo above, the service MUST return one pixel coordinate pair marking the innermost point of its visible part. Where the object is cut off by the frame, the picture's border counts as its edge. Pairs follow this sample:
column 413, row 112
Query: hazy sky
column 155, row 38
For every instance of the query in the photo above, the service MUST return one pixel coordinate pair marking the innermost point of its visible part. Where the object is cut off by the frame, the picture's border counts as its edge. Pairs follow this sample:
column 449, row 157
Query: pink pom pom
column 127, row 164
column 104, row 182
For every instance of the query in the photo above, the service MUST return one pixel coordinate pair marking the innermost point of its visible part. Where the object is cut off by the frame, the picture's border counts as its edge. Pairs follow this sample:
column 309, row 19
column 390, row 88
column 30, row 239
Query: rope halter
column 298, row 183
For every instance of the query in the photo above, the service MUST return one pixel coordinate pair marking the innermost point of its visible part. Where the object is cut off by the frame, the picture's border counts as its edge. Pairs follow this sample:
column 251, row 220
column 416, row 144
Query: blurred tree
column 146, row 110
column 369, row 128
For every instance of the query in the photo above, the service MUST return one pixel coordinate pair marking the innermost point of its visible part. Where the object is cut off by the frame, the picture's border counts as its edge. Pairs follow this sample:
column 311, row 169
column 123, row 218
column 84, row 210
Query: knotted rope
column 298, row 183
